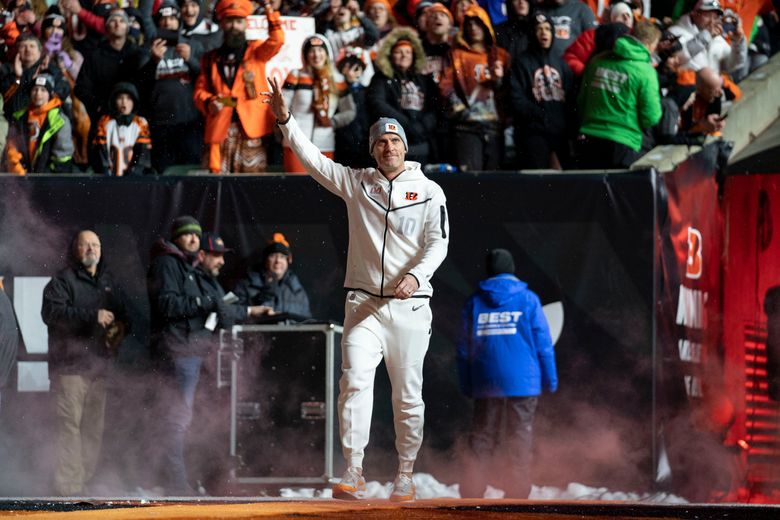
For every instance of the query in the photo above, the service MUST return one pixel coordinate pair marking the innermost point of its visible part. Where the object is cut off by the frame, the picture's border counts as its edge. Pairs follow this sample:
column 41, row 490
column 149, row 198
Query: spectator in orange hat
column 272, row 284
column 470, row 87
column 381, row 13
column 399, row 90
column 436, row 39
column 227, row 91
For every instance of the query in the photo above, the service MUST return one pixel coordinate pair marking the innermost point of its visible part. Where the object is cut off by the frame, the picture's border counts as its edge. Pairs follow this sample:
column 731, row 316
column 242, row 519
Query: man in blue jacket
column 505, row 359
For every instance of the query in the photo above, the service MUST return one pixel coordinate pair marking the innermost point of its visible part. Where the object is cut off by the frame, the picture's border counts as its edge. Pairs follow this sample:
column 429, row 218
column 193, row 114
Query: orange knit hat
column 236, row 8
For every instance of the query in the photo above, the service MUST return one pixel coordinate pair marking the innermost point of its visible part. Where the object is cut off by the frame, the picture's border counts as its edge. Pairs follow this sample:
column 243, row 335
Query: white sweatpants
column 398, row 331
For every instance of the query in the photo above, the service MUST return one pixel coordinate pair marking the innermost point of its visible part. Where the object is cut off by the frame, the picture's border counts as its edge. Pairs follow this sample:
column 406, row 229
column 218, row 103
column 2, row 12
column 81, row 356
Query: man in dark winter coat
column 399, row 90
column 211, row 259
column 167, row 84
column 273, row 285
column 9, row 339
column 515, row 33
column 196, row 27
column 115, row 59
column 85, row 311
column 542, row 90
column 505, row 359
column 180, row 308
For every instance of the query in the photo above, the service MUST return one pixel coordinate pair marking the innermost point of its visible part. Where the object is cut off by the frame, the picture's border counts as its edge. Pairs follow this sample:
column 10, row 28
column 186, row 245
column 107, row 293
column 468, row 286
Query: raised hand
column 276, row 100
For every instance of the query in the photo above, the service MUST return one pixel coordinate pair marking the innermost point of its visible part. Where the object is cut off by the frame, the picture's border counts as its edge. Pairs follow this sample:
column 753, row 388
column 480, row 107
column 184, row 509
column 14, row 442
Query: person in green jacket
column 619, row 97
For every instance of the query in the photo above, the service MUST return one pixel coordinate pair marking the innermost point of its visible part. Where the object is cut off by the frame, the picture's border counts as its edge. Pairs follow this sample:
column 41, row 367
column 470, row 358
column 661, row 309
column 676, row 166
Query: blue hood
column 501, row 288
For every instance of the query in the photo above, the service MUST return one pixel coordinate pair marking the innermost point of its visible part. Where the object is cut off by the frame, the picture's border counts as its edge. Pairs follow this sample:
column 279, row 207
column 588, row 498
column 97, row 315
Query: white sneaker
column 352, row 485
column 403, row 488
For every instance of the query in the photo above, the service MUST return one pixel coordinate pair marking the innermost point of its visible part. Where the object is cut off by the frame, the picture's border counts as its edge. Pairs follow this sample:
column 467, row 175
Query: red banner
column 690, row 390
column 751, row 272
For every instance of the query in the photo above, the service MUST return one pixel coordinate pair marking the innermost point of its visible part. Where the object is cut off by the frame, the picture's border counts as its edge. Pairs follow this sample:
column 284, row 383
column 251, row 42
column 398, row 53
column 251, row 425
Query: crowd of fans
column 138, row 87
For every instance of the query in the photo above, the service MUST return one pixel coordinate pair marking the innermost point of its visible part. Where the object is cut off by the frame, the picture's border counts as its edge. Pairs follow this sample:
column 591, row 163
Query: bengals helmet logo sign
column 410, row 195
column 693, row 266
column 390, row 127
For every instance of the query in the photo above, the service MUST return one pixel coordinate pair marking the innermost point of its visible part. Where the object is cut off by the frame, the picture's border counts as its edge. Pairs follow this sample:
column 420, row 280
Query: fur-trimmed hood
column 474, row 11
column 383, row 62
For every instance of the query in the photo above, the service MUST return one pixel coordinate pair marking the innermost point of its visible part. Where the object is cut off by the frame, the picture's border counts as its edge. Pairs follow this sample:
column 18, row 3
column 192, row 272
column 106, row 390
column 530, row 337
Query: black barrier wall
column 585, row 240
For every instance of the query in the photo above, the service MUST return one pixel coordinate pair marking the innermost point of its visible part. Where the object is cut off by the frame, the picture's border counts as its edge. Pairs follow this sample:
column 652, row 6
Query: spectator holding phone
column 705, row 112
column 709, row 42
column 167, row 86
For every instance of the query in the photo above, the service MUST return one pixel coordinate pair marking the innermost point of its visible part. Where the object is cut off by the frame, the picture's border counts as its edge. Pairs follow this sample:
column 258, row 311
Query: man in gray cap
column 398, row 237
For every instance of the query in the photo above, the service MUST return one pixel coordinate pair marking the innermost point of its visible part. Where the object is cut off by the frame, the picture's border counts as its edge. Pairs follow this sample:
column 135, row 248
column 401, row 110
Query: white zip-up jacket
column 395, row 227
column 701, row 49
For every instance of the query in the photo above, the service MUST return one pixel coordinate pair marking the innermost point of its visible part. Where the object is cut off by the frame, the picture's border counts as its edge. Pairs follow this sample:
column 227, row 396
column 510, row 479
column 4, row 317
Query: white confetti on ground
column 429, row 487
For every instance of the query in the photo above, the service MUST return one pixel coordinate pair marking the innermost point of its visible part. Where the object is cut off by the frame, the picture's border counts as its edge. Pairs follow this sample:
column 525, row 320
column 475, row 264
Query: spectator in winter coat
column 619, row 98
column 85, row 311
column 228, row 88
column 579, row 53
column 167, row 83
column 196, row 27
column 122, row 140
column 505, row 359
column 703, row 41
column 317, row 96
column 400, row 91
column 350, row 28
column 39, row 138
column 273, row 285
column 180, row 306
column 542, row 92
column 514, row 34
column 211, row 259
column 16, row 77
column 114, row 60
column 570, row 18
column 470, row 88
column 58, row 46
column 352, row 140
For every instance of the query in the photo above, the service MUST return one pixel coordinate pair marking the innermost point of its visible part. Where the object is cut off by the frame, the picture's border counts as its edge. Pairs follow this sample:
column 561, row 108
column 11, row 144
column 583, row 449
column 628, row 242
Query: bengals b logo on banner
column 410, row 195
column 693, row 266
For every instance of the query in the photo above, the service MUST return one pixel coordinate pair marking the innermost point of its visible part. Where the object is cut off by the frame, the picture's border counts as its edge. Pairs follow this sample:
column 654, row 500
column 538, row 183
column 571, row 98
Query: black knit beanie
column 499, row 261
